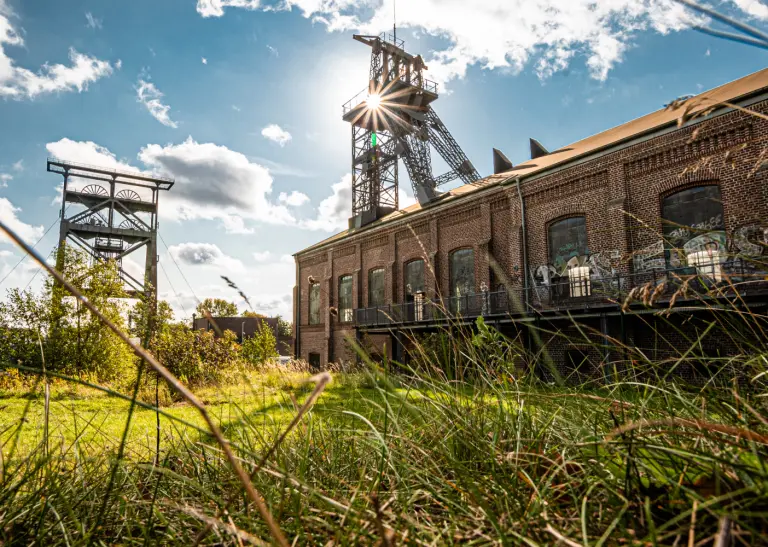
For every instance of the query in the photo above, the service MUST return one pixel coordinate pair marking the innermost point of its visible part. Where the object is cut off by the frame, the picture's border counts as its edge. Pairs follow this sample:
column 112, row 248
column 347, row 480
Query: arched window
column 414, row 278
column 692, row 221
column 314, row 304
column 345, row 299
column 376, row 287
column 462, row 272
column 567, row 238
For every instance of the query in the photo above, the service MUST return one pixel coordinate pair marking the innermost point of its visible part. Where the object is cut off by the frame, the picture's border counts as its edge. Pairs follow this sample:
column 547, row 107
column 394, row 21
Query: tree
column 260, row 347
column 55, row 326
column 257, row 315
column 141, row 319
column 284, row 328
column 217, row 307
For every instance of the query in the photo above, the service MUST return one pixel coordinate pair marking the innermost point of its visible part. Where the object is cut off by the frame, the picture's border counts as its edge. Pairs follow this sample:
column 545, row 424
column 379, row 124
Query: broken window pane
column 376, row 287
column 414, row 278
column 345, row 298
column 314, row 304
column 567, row 238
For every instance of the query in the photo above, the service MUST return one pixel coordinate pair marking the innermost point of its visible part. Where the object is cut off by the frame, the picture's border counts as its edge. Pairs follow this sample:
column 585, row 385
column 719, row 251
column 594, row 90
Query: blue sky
column 241, row 103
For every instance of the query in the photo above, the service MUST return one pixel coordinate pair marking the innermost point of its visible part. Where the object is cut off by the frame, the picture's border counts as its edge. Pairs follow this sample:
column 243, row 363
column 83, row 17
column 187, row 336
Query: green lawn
column 96, row 420
column 423, row 460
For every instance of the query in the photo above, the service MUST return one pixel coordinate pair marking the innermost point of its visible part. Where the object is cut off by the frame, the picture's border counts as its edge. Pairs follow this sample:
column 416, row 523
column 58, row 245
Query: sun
column 373, row 101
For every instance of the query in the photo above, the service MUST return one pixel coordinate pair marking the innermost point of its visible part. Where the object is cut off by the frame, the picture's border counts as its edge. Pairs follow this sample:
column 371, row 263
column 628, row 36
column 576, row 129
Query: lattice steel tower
column 393, row 118
column 112, row 220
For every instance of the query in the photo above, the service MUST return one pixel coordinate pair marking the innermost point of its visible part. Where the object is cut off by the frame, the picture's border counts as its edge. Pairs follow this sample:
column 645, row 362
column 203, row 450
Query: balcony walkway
column 715, row 284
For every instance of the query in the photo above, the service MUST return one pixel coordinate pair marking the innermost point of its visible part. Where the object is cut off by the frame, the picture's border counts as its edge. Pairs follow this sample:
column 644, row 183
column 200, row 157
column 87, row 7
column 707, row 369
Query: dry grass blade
column 231, row 529
column 561, row 538
column 190, row 397
column 695, row 424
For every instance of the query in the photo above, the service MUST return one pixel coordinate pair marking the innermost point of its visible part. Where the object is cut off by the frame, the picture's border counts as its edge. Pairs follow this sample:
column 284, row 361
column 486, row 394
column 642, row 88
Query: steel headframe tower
column 114, row 219
column 393, row 118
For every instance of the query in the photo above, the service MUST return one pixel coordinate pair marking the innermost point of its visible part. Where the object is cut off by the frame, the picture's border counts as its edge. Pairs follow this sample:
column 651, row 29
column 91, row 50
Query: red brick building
column 576, row 229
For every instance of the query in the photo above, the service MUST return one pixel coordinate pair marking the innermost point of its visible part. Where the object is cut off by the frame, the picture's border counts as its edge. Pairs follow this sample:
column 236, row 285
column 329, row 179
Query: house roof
column 730, row 92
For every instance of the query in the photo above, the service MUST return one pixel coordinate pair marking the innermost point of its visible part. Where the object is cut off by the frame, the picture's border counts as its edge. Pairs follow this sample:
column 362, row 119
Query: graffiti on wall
column 551, row 280
column 751, row 241
column 650, row 258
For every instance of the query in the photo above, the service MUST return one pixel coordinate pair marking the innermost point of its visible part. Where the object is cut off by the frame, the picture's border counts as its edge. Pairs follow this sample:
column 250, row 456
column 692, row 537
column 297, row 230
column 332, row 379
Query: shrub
column 261, row 347
column 198, row 357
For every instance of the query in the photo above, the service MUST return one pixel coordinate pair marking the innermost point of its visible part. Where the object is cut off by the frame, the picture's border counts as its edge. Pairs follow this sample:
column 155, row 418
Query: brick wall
column 619, row 194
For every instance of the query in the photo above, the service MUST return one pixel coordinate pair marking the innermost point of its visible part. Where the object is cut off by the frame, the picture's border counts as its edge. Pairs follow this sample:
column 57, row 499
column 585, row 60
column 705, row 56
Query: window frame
column 668, row 225
column 345, row 313
column 560, row 220
column 451, row 273
column 406, row 294
column 318, row 320
column 676, row 252
column 383, row 272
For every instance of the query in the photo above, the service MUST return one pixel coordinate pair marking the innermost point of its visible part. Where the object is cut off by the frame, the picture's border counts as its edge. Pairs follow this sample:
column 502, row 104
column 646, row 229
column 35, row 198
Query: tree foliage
column 284, row 328
column 261, row 347
column 147, row 323
column 197, row 357
column 217, row 307
column 54, row 326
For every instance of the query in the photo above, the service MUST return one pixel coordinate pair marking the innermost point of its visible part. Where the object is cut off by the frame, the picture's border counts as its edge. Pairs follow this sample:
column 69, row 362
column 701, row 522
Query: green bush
column 198, row 357
column 261, row 347
column 54, row 328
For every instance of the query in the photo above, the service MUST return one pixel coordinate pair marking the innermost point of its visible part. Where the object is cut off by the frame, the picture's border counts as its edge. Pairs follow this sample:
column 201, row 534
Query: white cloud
column 287, row 259
column 9, row 217
column 235, row 224
column 755, row 8
column 273, row 50
column 510, row 34
column 262, row 256
column 21, row 83
column 148, row 95
column 215, row 8
column 707, row 53
column 334, row 211
column 214, row 182
column 87, row 152
column 204, row 254
column 92, row 22
column 277, row 134
column 18, row 166
column 294, row 199
column 236, row 108
column 204, row 60
column 5, row 178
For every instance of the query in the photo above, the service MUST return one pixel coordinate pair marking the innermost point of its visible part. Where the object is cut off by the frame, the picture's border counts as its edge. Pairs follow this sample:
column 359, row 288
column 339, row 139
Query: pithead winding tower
column 391, row 119
column 113, row 217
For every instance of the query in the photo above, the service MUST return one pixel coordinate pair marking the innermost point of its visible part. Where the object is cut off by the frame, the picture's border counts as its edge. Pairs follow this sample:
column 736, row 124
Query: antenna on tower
column 394, row 20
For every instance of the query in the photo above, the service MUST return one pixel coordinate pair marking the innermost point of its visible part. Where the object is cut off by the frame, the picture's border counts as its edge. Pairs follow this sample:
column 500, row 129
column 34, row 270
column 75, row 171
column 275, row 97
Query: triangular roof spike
column 537, row 149
column 500, row 162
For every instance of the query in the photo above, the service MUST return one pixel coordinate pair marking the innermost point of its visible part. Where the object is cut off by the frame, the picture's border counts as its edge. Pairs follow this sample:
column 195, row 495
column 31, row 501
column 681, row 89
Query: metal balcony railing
column 709, row 280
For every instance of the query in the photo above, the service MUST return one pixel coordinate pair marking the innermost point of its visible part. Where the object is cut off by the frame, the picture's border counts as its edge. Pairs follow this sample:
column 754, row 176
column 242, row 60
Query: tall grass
column 480, row 453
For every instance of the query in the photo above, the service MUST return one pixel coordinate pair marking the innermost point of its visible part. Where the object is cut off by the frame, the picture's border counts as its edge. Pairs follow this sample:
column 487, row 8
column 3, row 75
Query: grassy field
column 94, row 421
column 394, row 459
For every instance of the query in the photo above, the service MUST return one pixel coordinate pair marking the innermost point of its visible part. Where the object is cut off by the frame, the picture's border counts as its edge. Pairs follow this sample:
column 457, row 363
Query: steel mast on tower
column 393, row 118
column 117, row 216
